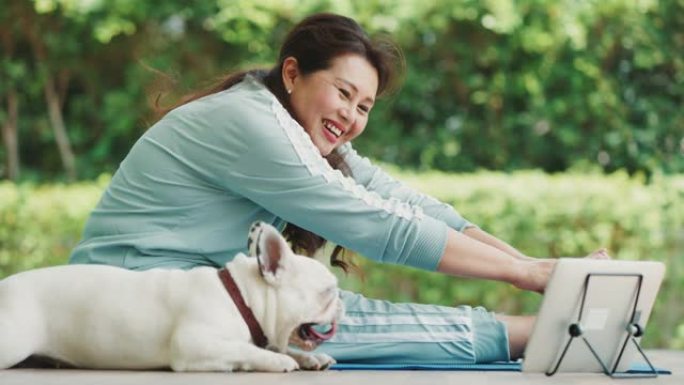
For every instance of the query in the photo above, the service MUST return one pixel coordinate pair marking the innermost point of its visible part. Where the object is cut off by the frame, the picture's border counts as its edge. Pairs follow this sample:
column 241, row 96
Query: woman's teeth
column 332, row 128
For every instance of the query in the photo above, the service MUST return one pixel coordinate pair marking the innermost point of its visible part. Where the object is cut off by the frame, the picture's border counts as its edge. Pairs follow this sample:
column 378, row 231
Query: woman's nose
column 347, row 114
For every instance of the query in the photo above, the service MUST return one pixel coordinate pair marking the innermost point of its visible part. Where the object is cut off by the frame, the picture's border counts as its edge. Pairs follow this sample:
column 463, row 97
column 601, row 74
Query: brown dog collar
column 255, row 330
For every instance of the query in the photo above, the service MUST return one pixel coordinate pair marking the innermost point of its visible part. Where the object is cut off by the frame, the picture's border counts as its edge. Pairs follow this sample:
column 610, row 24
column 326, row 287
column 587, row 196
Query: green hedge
column 542, row 215
column 40, row 224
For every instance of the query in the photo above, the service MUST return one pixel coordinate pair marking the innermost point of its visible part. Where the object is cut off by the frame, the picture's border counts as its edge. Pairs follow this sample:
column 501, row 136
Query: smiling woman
column 275, row 146
column 332, row 105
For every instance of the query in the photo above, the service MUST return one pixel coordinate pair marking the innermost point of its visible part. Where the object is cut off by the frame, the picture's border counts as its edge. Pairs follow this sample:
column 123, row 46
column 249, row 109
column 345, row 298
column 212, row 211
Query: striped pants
column 377, row 331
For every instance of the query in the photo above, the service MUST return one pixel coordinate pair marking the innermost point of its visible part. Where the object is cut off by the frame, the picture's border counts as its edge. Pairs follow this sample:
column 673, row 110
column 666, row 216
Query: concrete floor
column 669, row 359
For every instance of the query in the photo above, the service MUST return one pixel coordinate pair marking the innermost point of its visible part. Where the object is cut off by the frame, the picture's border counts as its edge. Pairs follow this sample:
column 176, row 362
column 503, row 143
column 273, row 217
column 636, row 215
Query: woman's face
column 332, row 104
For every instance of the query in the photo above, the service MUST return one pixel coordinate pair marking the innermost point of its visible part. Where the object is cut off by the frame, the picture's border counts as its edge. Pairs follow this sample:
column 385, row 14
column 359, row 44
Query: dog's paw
column 314, row 361
column 280, row 363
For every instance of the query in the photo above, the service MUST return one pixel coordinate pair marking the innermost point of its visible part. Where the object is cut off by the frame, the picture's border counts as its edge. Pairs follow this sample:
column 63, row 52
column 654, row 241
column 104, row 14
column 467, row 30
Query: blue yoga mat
column 493, row 367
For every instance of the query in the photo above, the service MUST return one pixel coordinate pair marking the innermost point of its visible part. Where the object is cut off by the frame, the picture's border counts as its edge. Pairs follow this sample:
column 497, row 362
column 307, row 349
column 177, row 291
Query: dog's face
column 306, row 292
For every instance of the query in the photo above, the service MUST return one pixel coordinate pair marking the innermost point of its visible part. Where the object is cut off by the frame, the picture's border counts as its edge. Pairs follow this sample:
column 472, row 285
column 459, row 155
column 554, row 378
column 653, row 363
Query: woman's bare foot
column 601, row 253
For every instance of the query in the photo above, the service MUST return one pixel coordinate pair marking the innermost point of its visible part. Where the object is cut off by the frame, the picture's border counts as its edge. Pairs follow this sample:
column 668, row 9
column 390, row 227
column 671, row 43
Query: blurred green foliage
column 496, row 84
column 40, row 224
column 542, row 215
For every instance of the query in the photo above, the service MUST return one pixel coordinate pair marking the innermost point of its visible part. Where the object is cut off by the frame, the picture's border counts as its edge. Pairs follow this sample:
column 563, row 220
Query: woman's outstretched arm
column 468, row 256
column 477, row 254
column 484, row 237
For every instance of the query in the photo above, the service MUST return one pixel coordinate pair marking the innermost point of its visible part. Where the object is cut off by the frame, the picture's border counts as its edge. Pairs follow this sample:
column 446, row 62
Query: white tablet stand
column 634, row 330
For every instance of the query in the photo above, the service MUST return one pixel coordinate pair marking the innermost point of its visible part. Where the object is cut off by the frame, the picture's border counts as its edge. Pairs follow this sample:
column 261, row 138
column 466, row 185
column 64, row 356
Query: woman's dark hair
column 315, row 42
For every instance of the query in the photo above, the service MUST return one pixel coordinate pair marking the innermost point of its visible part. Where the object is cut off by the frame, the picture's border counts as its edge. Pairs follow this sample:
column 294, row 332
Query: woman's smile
column 332, row 130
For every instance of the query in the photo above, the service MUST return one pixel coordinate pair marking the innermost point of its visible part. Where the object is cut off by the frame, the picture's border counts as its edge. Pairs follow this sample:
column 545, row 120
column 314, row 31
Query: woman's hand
column 535, row 273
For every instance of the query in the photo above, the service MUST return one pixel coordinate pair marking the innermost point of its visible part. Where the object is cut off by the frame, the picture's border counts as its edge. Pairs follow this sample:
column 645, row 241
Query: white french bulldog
column 104, row 317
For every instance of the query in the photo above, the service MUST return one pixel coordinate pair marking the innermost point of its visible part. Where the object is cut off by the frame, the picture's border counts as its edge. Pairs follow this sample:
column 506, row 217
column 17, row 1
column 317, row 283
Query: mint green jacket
column 192, row 185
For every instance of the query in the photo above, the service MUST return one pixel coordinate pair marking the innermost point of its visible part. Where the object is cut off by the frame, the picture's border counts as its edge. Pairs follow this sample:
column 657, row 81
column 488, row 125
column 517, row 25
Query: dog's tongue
column 315, row 334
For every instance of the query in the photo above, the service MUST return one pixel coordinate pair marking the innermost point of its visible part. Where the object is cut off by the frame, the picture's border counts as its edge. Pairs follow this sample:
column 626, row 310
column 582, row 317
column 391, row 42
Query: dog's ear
column 269, row 247
column 253, row 238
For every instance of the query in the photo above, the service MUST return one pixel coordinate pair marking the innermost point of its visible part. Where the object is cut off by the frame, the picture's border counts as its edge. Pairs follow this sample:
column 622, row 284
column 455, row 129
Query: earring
column 289, row 91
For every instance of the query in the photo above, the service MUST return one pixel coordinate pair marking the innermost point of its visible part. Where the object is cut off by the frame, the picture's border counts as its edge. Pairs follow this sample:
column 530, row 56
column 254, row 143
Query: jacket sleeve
column 375, row 179
column 252, row 148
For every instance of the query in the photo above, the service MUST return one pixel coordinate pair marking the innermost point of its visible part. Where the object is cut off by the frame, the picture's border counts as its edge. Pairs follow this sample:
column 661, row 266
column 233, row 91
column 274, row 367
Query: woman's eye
column 364, row 109
column 344, row 92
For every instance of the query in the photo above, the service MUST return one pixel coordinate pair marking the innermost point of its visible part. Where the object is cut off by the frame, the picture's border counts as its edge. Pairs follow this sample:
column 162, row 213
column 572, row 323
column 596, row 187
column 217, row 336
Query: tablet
column 607, row 309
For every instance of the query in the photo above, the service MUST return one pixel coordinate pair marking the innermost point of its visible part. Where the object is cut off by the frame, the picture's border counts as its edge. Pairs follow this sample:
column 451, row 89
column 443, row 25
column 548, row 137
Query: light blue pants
column 377, row 331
